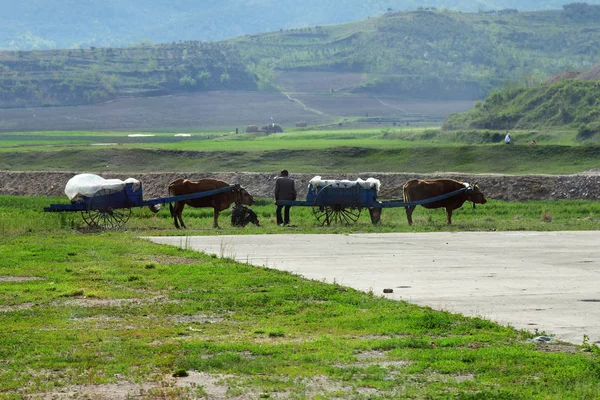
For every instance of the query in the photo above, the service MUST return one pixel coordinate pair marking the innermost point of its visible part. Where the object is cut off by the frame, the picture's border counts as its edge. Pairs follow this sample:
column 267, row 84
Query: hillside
column 71, row 77
column 51, row 24
column 567, row 99
column 423, row 54
column 438, row 54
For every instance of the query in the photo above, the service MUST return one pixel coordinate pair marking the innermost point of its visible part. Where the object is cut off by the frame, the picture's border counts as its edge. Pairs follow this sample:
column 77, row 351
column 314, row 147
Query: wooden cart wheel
column 335, row 213
column 102, row 215
column 326, row 215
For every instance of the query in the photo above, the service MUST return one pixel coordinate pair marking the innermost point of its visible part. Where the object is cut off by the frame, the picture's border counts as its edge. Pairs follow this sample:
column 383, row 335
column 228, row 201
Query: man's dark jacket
column 285, row 188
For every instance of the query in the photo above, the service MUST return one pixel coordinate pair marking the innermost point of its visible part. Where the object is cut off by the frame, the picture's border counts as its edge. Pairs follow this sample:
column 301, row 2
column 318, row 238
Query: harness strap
column 238, row 194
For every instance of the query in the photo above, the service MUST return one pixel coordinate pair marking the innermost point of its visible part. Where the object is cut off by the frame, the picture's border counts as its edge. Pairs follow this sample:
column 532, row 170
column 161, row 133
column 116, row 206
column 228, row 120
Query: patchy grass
column 109, row 311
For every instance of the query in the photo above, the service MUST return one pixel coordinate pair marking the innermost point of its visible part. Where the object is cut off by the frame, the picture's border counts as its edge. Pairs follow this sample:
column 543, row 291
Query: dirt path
column 302, row 104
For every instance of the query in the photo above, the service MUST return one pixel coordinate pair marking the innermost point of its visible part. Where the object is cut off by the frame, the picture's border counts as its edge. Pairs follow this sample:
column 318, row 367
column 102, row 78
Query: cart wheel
column 326, row 215
column 103, row 216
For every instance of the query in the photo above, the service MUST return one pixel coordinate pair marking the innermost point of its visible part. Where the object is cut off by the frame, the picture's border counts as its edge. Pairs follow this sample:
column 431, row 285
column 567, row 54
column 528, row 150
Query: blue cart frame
column 108, row 209
column 343, row 205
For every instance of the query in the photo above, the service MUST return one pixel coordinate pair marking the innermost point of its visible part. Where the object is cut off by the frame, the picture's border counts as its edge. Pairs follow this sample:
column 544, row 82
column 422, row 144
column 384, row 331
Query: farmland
column 225, row 110
column 85, row 312
column 357, row 150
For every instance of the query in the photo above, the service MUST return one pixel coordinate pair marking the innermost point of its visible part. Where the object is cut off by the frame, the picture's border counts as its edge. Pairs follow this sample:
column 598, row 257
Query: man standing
column 284, row 190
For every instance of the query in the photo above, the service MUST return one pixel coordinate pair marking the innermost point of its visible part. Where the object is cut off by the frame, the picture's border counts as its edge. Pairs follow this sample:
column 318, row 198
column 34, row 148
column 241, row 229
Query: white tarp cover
column 370, row 183
column 86, row 185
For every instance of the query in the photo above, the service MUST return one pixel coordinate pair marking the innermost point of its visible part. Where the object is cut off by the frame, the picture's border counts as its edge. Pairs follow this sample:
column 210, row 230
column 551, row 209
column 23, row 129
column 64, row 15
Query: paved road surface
column 548, row 281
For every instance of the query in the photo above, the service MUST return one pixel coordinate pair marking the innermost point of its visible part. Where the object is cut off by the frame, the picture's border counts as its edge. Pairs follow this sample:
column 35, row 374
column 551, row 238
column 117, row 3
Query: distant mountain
column 51, row 24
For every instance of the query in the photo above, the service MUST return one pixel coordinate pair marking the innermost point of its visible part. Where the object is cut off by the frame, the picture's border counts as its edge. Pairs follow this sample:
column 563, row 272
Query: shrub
column 252, row 129
column 588, row 131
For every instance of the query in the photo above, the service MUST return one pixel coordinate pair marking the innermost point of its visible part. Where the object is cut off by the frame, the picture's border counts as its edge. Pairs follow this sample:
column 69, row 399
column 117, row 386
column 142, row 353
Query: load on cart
column 107, row 203
column 341, row 201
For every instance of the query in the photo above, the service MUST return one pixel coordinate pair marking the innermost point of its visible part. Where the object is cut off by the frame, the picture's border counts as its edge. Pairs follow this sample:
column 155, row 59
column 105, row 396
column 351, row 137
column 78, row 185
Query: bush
column 588, row 131
column 252, row 129
column 301, row 124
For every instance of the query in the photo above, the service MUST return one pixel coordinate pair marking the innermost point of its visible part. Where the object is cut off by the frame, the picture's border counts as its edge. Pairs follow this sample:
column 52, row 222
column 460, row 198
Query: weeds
column 546, row 216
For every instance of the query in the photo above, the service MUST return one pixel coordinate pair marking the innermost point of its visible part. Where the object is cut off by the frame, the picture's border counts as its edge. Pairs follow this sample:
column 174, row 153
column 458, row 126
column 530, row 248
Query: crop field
column 381, row 109
column 212, row 141
column 86, row 312
column 222, row 110
column 192, row 111
column 385, row 149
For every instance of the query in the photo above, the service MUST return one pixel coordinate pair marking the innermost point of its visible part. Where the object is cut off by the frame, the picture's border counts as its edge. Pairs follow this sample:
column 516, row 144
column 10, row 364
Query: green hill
column 438, row 54
column 51, row 24
column 571, row 103
column 70, row 77
column 427, row 54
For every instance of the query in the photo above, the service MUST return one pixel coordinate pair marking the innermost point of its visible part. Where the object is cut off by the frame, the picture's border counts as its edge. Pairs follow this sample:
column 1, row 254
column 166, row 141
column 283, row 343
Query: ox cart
column 109, row 207
column 341, row 202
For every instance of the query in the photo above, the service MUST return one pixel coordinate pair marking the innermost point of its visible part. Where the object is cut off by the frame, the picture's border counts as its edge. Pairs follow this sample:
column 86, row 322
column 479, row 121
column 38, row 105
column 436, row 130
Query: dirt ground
column 501, row 187
column 215, row 110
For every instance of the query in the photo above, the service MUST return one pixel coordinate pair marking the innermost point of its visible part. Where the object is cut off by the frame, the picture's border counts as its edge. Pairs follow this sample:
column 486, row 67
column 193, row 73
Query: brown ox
column 417, row 189
column 218, row 202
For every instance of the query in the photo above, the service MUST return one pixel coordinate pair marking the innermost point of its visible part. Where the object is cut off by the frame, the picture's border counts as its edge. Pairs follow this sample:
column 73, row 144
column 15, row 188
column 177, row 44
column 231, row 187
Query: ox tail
column 154, row 208
column 171, row 208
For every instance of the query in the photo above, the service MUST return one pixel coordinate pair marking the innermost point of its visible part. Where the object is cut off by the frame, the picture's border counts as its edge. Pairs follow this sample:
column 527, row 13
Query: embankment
column 502, row 187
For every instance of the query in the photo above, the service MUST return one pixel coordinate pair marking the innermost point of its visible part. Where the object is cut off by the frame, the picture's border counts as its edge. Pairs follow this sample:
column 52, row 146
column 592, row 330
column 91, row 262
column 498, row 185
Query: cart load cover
column 87, row 185
column 370, row 183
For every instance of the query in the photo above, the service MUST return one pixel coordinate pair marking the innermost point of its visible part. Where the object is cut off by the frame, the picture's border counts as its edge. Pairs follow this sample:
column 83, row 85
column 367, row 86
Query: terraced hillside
column 423, row 54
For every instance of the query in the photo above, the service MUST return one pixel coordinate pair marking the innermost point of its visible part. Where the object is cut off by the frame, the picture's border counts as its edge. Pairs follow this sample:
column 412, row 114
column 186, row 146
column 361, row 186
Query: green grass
column 392, row 149
column 110, row 307
column 317, row 139
column 20, row 215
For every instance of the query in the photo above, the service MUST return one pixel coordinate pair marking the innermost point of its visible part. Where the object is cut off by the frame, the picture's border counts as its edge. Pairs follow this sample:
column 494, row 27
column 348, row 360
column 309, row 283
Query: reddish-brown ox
column 218, row 202
column 417, row 189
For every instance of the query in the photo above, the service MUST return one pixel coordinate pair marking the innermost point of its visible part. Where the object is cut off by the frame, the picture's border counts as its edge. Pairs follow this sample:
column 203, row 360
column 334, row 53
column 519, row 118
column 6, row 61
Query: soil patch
column 19, row 278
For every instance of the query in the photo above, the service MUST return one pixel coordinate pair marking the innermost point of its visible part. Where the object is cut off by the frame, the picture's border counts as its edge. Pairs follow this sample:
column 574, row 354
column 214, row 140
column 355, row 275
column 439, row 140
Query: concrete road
column 548, row 281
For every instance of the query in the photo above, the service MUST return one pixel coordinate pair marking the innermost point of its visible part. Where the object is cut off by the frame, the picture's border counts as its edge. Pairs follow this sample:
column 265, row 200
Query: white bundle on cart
column 87, row 185
column 318, row 182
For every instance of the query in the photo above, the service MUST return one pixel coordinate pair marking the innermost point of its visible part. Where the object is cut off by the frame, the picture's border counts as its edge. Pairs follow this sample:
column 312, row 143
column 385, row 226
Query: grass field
column 389, row 149
column 89, row 311
column 84, row 312
column 494, row 215
column 385, row 137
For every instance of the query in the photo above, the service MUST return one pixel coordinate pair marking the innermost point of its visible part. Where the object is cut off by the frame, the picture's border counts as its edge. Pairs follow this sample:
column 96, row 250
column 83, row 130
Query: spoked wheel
column 326, row 215
column 102, row 215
